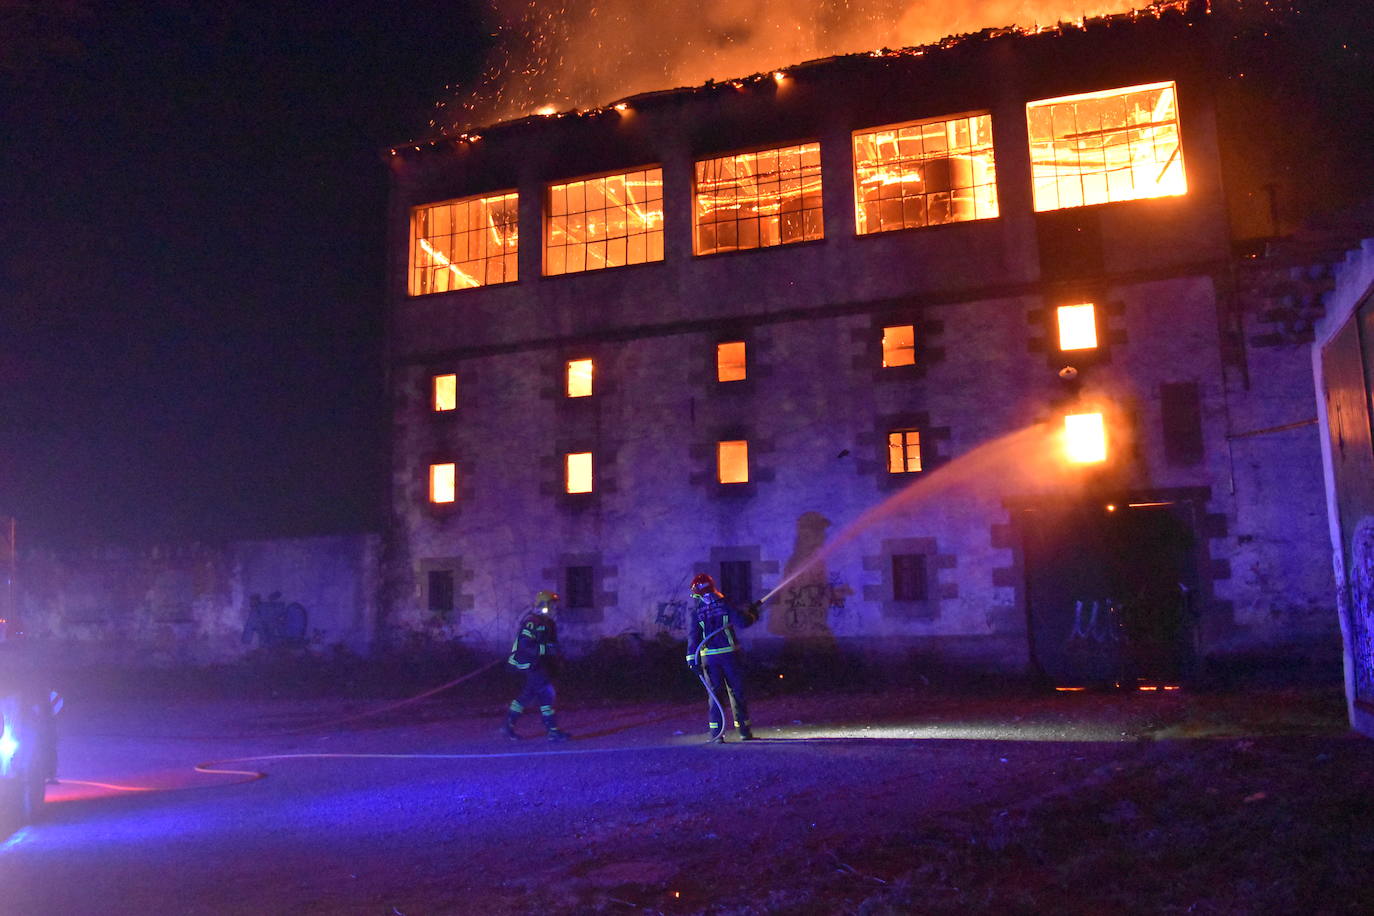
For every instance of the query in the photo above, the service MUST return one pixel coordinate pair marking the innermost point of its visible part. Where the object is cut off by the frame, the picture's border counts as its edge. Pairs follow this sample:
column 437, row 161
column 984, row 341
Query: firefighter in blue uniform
column 713, row 653
column 535, row 654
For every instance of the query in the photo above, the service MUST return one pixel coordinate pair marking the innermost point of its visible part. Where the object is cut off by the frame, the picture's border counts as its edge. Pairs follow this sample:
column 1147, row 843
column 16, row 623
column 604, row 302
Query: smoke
column 584, row 53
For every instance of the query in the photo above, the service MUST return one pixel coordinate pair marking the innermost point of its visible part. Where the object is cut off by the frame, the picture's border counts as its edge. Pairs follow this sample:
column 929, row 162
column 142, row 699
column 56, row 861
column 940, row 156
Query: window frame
column 415, row 288
column 547, row 217
column 860, row 219
column 905, row 453
column 750, row 151
column 720, row 465
column 568, row 377
column 883, row 350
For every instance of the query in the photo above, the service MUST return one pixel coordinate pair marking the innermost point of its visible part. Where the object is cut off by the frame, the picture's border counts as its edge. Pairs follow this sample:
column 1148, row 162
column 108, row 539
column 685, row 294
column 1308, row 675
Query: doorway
column 1111, row 591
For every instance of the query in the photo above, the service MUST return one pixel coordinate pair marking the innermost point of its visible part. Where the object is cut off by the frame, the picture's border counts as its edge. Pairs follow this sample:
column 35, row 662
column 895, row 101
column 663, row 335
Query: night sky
column 192, row 259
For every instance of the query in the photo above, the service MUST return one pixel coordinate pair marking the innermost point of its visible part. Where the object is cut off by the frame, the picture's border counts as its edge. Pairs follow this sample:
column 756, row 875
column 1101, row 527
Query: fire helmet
column 703, row 584
column 545, row 600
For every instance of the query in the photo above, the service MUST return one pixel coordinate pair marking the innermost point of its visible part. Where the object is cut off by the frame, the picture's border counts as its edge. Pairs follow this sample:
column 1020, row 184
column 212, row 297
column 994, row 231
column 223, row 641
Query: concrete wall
column 189, row 604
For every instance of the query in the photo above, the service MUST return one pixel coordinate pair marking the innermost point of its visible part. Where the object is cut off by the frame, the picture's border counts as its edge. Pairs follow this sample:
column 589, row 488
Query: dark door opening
column 1110, row 592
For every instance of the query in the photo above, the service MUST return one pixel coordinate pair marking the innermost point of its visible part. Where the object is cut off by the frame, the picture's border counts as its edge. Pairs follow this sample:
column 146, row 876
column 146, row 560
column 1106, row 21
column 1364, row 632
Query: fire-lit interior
column 579, row 383
column 924, row 173
column 903, row 451
column 609, row 221
column 1100, row 147
column 1077, row 326
column 1085, row 438
column 445, row 392
column 443, row 482
column 899, row 346
column 732, row 461
column 759, row 199
column 730, row 361
column 579, row 472
column 461, row 244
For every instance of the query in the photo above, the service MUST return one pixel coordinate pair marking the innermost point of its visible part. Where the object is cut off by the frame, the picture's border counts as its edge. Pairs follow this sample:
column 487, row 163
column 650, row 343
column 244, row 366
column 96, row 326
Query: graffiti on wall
column 670, row 614
column 813, row 607
column 1360, row 610
column 274, row 622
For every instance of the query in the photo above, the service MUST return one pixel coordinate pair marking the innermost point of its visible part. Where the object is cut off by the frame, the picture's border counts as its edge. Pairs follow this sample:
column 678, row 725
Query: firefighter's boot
column 551, row 724
column 507, row 729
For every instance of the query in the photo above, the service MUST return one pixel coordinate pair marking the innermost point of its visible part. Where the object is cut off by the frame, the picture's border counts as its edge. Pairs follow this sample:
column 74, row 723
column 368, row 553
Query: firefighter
column 713, row 654
column 535, row 653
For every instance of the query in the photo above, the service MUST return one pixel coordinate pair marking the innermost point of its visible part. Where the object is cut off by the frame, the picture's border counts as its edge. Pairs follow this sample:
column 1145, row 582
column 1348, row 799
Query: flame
column 569, row 55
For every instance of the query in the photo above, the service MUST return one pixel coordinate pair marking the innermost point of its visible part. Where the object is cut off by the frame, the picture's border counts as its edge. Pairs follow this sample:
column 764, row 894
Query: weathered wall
column 189, row 604
column 1342, row 364
column 816, row 406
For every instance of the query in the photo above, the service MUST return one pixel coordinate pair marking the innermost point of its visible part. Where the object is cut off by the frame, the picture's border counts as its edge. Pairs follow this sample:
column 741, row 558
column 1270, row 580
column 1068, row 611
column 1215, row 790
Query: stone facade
column 1192, row 370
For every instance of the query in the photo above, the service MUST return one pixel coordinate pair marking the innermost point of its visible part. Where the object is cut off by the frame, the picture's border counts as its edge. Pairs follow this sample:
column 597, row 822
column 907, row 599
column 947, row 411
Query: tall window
column 732, row 461
column 443, row 483
column 460, row 244
column 909, row 577
column 578, row 476
column 737, row 581
column 440, row 590
column 1099, row 147
column 603, row 222
column 1085, row 438
column 924, row 173
column 730, row 365
column 904, row 451
column 579, row 383
column 445, row 393
column 1077, row 326
column 755, row 200
column 899, row 346
column 581, row 581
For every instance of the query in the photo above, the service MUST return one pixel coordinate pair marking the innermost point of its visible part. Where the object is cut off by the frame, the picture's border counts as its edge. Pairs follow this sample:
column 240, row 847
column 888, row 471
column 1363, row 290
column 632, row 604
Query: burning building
column 946, row 352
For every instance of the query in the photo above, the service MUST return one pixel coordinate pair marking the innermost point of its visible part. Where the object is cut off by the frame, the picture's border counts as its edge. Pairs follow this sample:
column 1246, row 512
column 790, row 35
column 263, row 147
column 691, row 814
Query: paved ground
column 426, row 812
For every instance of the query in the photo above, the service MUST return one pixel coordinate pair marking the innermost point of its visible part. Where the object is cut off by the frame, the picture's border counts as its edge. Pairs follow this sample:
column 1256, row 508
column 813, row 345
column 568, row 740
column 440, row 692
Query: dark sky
column 191, row 258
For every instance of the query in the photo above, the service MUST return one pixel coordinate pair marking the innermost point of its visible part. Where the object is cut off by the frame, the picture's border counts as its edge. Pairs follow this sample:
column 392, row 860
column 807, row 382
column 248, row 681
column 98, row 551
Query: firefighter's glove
column 753, row 612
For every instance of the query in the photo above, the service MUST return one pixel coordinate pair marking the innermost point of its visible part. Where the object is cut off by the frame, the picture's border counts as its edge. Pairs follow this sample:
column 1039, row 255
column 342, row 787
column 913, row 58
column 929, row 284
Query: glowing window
column 756, row 200
column 445, row 392
column 1077, row 327
column 903, row 451
column 1085, row 438
column 604, row 222
column 579, row 472
column 924, row 173
column 732, row 461
column 730, row 365
column 443, row 483
column 579, row 378
column 899, row 346
column 1121, row 144
column 460, row 244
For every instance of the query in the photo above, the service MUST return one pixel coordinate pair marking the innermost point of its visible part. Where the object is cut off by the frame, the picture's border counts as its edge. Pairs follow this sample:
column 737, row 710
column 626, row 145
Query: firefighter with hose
column 713, row 655
column 535, row 654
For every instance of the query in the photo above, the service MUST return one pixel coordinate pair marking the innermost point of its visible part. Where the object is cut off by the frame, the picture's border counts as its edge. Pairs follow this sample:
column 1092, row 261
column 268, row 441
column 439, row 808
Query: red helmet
column 703, row 584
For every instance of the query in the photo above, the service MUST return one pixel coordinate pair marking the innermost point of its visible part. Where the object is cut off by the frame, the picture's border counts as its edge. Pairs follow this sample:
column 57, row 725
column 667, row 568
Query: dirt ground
column 872, row 799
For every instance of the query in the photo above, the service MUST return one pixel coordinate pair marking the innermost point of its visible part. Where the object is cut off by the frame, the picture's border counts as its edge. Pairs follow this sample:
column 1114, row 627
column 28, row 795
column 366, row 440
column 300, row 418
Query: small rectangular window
column 899, row 346
column 441, row 591
column 732, row 461
column 730, row 366
column 579, row 472
column 909, row 577
column 443, row 483
column 1181, row 414
column 903, row 451
column 461, row 244
column 579, row 378
column 924, row 173
column 594, row 223
column 1085, row 438
column 757, row 200
column 445, row 392
column 737, row 581
column 1099, row 147
column 581, row 586
column 1077, row 326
